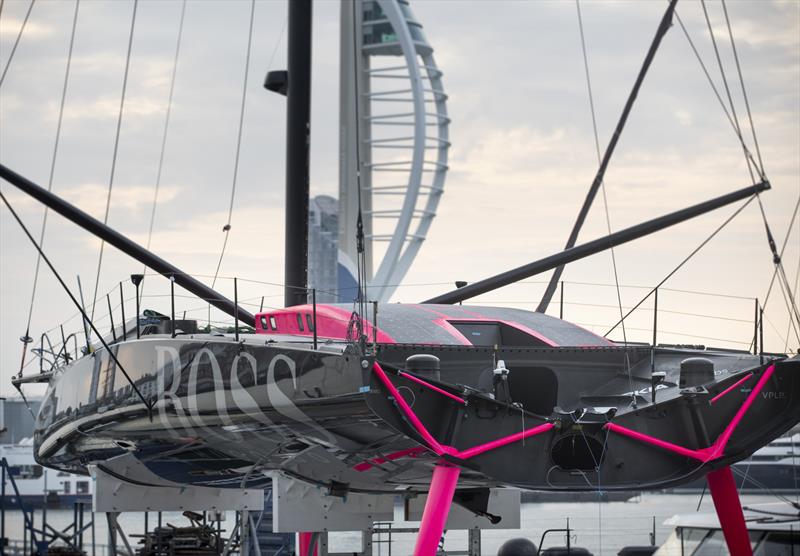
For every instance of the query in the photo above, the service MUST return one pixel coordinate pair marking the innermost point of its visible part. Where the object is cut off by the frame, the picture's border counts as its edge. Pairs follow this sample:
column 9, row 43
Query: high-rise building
column 323, row 249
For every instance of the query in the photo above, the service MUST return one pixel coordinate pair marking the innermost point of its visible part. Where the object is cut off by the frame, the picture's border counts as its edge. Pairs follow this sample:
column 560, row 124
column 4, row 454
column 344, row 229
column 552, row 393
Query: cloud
column 10, row 26
column 108, row 107
column 91, row 197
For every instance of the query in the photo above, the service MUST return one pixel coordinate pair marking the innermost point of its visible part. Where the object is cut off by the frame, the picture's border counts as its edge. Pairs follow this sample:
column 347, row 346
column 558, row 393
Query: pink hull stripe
column 409, row 452
column 717, row 449
column 731, row 387
column 434, row 388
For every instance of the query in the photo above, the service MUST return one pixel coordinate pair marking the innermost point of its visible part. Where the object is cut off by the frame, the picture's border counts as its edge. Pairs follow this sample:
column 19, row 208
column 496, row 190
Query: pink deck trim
column 408, row 452
column 406, row 409
column 717, row 449
column 434, row 388
column 729, row 510
column 437, row 508
column 731, row 387
column 452, row 330
column 332, row 323
column 445, row 323
column 494, row 444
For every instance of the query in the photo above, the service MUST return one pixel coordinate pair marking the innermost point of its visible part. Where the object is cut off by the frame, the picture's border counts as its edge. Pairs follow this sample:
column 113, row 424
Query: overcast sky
column 521, row 161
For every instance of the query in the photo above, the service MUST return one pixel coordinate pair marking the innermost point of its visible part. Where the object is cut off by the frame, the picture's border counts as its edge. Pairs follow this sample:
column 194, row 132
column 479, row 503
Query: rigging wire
column 603, row 186
column 362, row 256
column 751, row 163
column 227, row 227
column 26, row 339
column 16, row 41
column 788, row 298
column 76, row 303
column 683, row 262
column 744, row 90
column 789, row 324
column 663, row 27
column 728, row 93
column 613, row 256
column 116, row 150
column 712, row 85
column 599, row 158
column 164, row 135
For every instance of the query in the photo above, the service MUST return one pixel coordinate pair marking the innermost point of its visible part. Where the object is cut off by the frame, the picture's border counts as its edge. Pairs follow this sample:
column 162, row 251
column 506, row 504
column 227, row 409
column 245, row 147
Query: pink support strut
column 729, row 510
column 476, row 450
column 437, row 508
column 663, row 444
column 722, row 441
column 433, row 444
column 304, row 544
column 434, row 388
column 731, row 387
column 717, row 449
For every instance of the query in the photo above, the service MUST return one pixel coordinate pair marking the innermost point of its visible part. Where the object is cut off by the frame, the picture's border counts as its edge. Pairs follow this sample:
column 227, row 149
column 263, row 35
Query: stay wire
column 227, row 227
column 728, row 91
column 16, row 41
column 712, row 85
column 116, row 150
column 360, row 247
column 164, row 136
column 778, row 262
column 683, row 262
column 783, row 247
column 52, row 169
column 76, row 303
column 788, row 300
column 789, row 324
column 744, row 90
column 603, row 188
column 663, row 28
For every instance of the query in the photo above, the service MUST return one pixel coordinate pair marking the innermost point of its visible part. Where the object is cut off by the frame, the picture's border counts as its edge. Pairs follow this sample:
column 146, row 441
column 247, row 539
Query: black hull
column 221, row 408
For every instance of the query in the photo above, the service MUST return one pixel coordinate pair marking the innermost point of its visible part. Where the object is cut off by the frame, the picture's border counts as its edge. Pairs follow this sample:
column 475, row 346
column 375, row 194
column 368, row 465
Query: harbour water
column 602, row 528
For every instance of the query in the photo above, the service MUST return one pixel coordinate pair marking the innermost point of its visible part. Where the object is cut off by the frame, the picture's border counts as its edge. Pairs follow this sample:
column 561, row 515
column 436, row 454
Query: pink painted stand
column 729, row 509
column 304, row 544
column 437, row 507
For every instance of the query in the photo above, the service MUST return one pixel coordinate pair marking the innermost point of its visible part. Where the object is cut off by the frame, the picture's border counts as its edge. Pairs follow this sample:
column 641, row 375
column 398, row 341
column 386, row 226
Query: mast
column 298, row 135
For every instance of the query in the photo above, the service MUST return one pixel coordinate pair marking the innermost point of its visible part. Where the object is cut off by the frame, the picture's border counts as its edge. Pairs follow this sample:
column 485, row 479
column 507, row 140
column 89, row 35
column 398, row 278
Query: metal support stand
column 244, row 533
column 729, row 510
column 437, row 508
